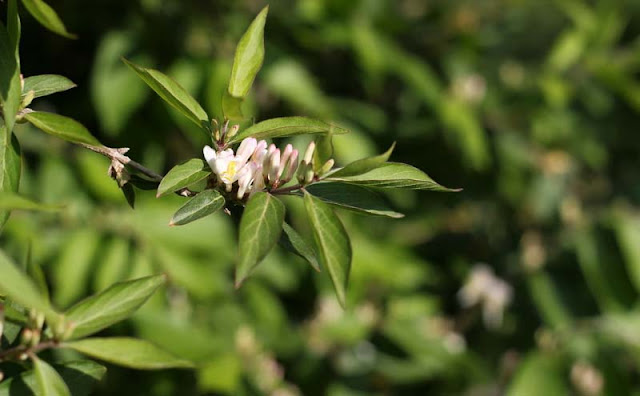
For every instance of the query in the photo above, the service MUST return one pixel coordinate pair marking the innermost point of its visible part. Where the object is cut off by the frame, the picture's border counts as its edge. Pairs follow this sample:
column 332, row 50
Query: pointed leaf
column 332, row 241
column 353, row 197
column 34, row 270
column 10, row 167
column 394, row 175
column 129, row 194
column 62, row 127
column 9, row 77
column 260, row 229
column 13, row 201
column 19, row 288
column 143, row 183
column 80, row 376
column 116, row 303
column 46, row 84
column 295, row 243
column 183, row 175
column 364, row 165
column 249, row 56
column 287, row 126
column 172, row 93
column 47, row 17
column 203, row 204
column 49, row 381
column 232, row 107
column 128, row 352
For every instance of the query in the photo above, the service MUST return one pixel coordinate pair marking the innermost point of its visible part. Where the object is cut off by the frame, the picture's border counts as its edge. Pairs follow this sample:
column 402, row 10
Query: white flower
column 483, row 287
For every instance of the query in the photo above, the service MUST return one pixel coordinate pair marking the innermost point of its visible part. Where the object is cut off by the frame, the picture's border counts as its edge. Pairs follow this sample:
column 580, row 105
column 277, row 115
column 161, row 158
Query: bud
column 308, row 155
column 308, row 176
column 326, row 167
column 26, row 336
column 1, row 376
column 21, row 82
column 233, row 131
column 302, row 170
column 283, row 160
column 246, row 150
column 292, row 166
column 274, row 166
column 28, row 98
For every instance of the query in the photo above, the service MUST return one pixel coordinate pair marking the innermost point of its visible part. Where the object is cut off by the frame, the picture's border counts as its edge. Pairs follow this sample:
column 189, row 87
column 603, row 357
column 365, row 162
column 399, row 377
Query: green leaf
column 128, row 352
column 172, row 93
column 249, row 56
column 286, row 126
column 364, row 165
column 332, row 242
column 13, row 201
column 46, row 84
column 232, row 107
column 73, row 266
column 260, row 228
column 114, row 264
column 129, row 194
column 10, row 167
column 295, row 243
column 143, row 183
column 34, row 270
column 116, row 303
column 394, row 175
column 183, row 175
column 63, row 127
column 19, row 288
column 49, row 381
column 353, row 197
column 9, row 77
column 47, row 17
column 80, row 376
column 539, row 374
column 203, row 204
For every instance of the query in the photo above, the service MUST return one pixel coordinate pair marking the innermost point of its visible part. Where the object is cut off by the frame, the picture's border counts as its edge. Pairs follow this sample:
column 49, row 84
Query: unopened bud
column 26, row 336
column 21, row 83
column 308, row 155
column 28, row 98
column 23, row 356
column 274, row 166
column 308, row 176
column 302, row 170
column 326, row 167
column 233, row 131
column 1, row 376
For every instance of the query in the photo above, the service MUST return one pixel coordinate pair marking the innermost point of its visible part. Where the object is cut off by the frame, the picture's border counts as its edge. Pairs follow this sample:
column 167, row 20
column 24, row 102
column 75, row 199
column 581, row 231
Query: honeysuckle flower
column 483, row 287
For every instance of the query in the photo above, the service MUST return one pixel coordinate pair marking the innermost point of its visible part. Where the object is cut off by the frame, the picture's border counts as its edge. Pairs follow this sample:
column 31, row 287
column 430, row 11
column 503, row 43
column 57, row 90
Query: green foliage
column 61, row 127
column 203, row 204
column 47, row 17
column 49, row 382
column 183, row 175
column 286, row 126
column 46, row 84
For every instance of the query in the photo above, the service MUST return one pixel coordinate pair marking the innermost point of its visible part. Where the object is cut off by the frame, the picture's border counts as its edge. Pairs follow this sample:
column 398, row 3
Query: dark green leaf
column 143, row 184
column 80, row 376
column 128, row 352
column 203, row 204
column 62, row 127
column 47, row 17
column 172, row 93
column 183, row 175
column 129, row 194
column 116, row 303
column 48, row 380
column 249, row 56
column 13, row 201
column 394, row 175
column 46, row 84
column 9, row 78
column 353, row 197
column 295, row 243
column 286, row 126
column 364, row 165
column 260, row 229
column 332, row 242
column 18, row 287
column 10, row 166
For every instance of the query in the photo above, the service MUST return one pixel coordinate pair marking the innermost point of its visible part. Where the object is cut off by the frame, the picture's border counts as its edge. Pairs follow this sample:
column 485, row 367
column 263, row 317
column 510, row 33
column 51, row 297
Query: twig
column 15, row 352
column 118, row 155
column 286, row 190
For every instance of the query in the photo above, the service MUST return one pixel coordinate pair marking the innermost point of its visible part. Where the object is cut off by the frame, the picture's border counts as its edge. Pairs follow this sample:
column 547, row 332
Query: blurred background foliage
column 529, row 105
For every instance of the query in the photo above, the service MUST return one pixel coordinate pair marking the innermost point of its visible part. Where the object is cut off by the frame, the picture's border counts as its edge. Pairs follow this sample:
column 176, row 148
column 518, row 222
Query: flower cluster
column 257, row 166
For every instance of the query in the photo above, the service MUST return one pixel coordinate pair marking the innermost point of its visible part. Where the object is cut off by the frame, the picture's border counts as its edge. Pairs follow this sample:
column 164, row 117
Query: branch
column 15, row 352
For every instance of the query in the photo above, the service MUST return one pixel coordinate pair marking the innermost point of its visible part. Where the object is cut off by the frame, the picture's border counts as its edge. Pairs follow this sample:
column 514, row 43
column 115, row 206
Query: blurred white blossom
column 492, row 293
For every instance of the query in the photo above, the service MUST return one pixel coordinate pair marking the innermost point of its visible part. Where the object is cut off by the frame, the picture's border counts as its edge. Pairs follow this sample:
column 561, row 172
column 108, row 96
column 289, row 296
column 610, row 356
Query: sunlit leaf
column 183, row 175
column 46, row 84
column 47, row 17
column 61, row 127
column 13, row 201
column 203, row 204
column 364, row 165
column 172, row 93
column 249, row 56
column 9, row 78
column 332, row 242
column 394, row 175
column 114, row 304
column 128, row 352
column 10, row 167
column 48, row 380
column 287, row 126
column 260, row 228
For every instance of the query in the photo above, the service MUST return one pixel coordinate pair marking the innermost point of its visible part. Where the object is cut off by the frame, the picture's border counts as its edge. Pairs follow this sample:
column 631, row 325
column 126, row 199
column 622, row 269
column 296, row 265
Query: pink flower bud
column 308, row 155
